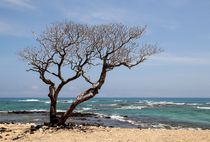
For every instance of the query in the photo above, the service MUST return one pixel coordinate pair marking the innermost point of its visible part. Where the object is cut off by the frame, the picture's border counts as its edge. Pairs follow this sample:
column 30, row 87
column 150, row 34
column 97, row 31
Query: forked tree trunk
column 88, row 94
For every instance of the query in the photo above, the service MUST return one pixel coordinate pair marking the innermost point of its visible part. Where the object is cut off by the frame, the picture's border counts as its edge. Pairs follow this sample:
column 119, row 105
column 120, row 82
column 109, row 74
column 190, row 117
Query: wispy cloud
column 187, row 60
column 19, row 4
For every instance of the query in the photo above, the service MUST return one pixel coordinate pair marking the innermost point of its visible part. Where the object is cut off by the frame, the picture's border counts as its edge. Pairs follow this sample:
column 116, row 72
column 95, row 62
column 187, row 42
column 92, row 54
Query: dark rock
column 140, row 127
column 38, row 127
column 18, row 137
column 33, row 128
column 1, row 137
column 167, row 127
column 77, row 114
column 46, row 124
column 83, row 119
column 2, row 129
column 26, row 112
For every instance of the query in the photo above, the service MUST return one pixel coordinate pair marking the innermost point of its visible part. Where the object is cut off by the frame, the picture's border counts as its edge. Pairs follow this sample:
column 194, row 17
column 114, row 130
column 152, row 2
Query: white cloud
column 19, row 4
column 174, row 59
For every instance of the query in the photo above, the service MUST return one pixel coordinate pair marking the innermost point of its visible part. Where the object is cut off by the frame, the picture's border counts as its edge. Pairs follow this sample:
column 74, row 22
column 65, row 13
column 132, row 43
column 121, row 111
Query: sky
column 179, row 27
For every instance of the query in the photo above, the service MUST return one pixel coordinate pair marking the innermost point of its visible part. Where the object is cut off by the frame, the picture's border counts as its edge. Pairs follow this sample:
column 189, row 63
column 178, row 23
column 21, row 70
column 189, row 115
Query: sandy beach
column 22, row 133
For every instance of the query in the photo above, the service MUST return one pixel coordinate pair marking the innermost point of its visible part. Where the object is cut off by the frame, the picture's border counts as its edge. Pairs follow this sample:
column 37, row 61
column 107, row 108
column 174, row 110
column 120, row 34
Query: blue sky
column 180, row 27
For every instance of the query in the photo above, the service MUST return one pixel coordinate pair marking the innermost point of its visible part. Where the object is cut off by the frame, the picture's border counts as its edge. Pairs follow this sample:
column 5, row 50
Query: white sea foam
column 36, row 119
column 132, row 107
column 117, row 100
column 120, row 118
column 151, row 103
column 86, row 108
column 117, row 117
column 30, row 100
column 193, row 104
column 37, row 110
column 60, row 110
column 100, row 114
column 198, row 107
column 47, row 102
column 112, row 104
column 108, row 104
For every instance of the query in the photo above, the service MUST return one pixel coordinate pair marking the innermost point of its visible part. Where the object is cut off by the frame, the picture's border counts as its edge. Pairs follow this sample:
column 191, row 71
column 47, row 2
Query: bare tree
column 79, row 47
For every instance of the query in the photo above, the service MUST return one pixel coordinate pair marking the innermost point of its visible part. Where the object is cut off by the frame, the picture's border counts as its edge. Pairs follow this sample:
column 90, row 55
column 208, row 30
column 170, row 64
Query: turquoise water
column 190, row 111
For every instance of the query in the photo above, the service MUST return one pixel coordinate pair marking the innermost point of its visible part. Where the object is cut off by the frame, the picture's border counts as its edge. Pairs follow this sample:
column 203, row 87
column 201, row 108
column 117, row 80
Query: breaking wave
column 151, row 103
column 132, row 107
column 198, row 107
column 117, row 100
column 86, row 108
column 29, row 100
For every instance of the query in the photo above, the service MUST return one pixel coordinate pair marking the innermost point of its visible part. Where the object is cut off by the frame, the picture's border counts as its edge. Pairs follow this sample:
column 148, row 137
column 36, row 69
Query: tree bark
column 66, row 115
column 88, row 94
column 53, row 104
column 53, row 115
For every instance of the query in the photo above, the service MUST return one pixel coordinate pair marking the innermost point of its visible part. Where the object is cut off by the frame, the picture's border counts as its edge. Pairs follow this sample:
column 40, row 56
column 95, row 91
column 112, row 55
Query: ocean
column 115, row 112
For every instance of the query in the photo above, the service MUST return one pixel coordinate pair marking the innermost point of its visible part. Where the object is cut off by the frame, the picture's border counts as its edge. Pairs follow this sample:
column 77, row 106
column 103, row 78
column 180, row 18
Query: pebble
column 50, row 130
column 40, row 130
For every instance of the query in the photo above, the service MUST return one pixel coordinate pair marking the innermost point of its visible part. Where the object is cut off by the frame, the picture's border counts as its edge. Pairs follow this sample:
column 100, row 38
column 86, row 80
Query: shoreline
column 23, row 133
column 95, row 119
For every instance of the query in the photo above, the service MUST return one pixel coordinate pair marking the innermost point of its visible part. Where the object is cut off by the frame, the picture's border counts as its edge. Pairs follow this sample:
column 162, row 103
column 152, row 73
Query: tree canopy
column 79, row 47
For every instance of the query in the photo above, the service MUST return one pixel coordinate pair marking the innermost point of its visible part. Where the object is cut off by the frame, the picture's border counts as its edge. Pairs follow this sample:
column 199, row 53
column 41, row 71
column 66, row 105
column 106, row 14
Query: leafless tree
column 80, row 47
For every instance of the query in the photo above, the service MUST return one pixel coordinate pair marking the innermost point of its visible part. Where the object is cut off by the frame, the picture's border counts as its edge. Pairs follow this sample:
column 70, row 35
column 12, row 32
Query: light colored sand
column 95, row 134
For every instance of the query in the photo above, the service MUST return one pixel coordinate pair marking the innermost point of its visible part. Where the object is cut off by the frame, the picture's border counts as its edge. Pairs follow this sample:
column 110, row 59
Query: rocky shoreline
column 93, row 119
column 35, row 133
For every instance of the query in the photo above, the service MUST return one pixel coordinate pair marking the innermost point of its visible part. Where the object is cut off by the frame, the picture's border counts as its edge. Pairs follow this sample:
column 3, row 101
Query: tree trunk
column 66, row 115
column 88, row 94
column 53, row 115
column 53, row 104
